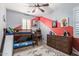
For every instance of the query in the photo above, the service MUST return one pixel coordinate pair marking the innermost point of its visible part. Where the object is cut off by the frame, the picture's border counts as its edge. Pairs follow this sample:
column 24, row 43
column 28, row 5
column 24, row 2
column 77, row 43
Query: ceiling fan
column 39, row 5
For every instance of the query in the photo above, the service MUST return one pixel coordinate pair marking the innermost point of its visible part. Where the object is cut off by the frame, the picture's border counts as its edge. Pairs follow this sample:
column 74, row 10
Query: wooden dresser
column 60, row 43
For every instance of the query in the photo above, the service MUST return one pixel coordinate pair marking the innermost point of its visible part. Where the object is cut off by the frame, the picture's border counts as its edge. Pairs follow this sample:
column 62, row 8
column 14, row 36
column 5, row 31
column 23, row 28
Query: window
column 26, row 24
column 76, row 23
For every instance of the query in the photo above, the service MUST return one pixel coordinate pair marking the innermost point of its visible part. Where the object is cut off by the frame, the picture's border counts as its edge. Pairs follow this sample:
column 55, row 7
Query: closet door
column 76, row 22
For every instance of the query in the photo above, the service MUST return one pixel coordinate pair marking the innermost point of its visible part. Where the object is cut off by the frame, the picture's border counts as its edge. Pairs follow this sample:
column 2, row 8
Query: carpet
column 41, row 51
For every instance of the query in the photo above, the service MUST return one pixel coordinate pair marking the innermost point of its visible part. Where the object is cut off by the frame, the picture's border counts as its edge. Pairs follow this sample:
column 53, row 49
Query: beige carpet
column 43, row 50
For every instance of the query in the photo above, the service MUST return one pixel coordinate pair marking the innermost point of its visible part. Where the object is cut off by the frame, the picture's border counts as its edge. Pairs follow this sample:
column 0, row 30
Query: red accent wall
column 59, row 30
column 48, row 22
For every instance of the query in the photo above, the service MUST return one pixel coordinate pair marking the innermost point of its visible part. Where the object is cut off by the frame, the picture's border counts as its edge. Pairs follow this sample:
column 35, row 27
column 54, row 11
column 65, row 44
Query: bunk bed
column 16, row 38
column 23, row 38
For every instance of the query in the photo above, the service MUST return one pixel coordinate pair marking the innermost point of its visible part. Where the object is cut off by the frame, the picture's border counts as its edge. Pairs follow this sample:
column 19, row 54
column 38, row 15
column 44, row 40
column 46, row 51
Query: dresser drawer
column 64, row 45
column 67, row 50
column 51, row 45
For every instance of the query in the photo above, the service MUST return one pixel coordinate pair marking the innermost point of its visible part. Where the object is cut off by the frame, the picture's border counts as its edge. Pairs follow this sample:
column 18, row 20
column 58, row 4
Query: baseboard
column 75, row 51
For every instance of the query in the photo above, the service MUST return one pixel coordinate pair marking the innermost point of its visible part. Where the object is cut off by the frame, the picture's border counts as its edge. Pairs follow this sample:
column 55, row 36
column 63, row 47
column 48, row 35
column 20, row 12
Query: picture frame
column 54, row 24
column 64, row 21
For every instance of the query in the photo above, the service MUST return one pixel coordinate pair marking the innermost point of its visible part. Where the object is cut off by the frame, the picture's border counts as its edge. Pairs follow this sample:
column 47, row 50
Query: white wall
column 24, row 8
column 45, row 30
column 2, row 23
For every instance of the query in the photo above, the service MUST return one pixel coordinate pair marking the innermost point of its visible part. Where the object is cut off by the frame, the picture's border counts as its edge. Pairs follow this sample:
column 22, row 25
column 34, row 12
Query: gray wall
column 62, row 10
column 15, row 18
column 65, row 10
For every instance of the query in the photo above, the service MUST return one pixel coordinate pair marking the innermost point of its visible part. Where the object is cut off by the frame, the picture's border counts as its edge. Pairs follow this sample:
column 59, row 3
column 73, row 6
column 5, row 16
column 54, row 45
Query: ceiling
column 23, row 7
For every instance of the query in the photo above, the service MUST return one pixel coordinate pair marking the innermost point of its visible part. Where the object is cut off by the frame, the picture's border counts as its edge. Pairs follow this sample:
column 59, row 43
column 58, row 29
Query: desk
column 37, row 36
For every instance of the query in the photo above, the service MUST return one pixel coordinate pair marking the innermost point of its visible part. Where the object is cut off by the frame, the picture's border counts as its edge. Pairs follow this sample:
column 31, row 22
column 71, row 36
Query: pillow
column 10, row 30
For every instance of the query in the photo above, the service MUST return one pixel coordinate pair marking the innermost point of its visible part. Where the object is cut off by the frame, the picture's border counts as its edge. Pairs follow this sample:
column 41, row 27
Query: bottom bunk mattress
column 22, row 44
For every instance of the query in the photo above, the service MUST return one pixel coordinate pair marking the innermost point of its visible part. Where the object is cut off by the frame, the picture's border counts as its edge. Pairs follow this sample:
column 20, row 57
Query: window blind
column 76, row 23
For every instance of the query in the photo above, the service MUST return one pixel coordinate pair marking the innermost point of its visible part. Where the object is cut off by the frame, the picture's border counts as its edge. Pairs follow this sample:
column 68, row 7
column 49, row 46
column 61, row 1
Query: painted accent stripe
column 59, row 30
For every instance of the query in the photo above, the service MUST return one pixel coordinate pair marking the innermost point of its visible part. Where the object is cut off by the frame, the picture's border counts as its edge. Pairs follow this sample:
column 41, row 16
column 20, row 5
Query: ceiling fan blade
column 41, row 9
column 33, row 10
column 33, row 5
column 45, row 4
